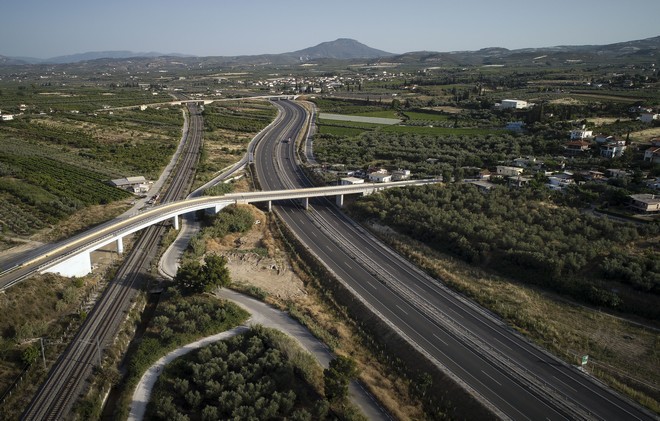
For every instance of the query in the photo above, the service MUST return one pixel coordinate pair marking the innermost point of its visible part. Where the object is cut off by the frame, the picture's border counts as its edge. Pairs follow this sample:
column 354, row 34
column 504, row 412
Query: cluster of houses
column 582, row 140
column 520, row 173
column 372, row 175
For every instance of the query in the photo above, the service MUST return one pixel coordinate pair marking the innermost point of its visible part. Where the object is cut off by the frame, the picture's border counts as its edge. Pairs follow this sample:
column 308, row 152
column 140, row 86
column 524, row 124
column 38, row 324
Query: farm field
column 54, row 166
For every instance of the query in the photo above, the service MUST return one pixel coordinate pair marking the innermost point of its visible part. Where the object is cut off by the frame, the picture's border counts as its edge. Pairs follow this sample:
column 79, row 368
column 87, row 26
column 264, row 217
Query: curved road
column 516, row 379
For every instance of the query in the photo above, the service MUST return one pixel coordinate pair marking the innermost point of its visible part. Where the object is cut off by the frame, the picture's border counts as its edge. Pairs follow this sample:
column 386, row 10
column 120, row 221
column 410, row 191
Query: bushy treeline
column 248, row 376
column 411, row 151
column 229, row 220
column 525, row 235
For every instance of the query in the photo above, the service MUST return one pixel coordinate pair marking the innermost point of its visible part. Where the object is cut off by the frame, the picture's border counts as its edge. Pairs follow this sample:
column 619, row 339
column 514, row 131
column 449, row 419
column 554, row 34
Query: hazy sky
column 47, row 28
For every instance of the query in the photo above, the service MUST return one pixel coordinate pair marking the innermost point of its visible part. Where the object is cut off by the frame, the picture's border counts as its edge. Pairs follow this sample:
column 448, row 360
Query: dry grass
column 645, row 135
column 83, row 219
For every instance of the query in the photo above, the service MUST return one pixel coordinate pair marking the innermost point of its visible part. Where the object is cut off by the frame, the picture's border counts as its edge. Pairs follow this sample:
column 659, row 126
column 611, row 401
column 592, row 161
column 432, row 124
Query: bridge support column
column 270, row 205
column 120, row 245
column 176, row 222
column 340, row 200
column 78, row 265
column 305, row 203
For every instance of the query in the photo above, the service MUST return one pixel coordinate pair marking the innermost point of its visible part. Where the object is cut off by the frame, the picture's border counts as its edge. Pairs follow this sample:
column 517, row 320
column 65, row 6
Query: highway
column 511, row 376
column 67, row 378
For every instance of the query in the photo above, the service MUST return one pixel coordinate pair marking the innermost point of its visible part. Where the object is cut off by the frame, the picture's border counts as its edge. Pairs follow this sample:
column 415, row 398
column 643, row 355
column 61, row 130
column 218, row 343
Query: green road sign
column 585, row 358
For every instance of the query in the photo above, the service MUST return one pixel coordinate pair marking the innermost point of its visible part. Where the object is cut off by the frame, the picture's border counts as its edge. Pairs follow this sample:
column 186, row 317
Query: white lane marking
column 371, row 285
column 486, row 374
column 438, row 338
column 573, row 389
column 402, row 310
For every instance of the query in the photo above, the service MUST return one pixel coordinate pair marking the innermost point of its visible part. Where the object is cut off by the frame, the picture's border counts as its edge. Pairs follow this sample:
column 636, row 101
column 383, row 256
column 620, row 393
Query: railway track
column 67, row 378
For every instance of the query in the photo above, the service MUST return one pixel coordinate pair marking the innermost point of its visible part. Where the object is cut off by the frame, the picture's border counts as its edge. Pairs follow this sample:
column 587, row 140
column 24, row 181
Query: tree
column 215, row 272
column 337, row 376
column 189, row 277
column 193, row 277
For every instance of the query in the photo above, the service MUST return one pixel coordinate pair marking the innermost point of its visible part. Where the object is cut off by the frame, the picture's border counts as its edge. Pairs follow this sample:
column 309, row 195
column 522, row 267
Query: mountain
column 344, row 49
column 341, row 48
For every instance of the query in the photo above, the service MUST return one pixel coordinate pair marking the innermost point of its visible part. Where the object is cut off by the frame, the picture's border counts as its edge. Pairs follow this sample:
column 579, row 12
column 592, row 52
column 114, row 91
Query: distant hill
column 342, row 48
column 95, row 55
column 13, row 61
column 91, row 55
column 648, row 48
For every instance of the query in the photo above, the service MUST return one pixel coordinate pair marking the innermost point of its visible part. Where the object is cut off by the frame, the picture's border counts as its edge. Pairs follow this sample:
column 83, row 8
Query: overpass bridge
column 73, row 257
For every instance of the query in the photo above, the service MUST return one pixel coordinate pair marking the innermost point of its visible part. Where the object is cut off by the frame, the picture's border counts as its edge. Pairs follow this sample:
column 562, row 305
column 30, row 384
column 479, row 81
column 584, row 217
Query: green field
column 417, row 115
column 440, row 130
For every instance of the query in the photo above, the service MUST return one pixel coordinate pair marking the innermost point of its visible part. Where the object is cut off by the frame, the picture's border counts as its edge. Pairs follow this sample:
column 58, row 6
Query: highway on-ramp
column 511, row 376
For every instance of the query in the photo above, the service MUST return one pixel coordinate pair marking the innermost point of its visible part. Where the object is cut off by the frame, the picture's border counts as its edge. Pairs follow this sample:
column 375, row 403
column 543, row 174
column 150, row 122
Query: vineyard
column 55, row 165
column 41, row 190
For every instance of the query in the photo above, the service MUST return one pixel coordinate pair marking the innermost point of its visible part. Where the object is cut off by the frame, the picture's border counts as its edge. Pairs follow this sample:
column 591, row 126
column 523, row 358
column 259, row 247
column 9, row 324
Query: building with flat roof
column 513, row 103
column 645, row 202
column 345, row 181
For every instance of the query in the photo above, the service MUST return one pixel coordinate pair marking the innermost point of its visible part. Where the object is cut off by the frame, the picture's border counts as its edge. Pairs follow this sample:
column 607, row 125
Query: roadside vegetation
column 179, row 319
column 526, row 235
column 261, row 374
column 48, row 308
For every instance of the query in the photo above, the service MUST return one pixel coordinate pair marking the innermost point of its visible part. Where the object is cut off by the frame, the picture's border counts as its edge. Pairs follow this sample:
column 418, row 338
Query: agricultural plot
column 228, row 128
column 56, row 165
column 359, row 119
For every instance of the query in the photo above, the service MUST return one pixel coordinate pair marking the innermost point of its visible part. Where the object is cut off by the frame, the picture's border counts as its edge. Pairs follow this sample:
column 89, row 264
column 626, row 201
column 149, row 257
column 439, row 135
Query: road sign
column 585, row 358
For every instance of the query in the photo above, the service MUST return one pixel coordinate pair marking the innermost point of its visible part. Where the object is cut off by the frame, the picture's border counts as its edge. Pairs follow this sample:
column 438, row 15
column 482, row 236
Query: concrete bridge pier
column 340, row 200
column 120, row 245
column 305, row 203
column 176, row 222
column 270, row 205
column 77, row 265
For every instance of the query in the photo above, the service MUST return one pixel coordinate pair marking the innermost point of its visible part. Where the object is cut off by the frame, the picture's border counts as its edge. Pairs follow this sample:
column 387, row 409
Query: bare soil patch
column 253, row 259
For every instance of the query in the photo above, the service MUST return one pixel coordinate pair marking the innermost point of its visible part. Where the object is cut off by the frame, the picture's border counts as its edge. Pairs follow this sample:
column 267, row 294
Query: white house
column 645, row 202
column 400, row 175
column 346, row 181
column 580, row 134
column 560, row 181
column 379, row 177
column 513, row 103
column 613, row 149
column 509, row 171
